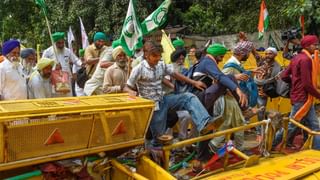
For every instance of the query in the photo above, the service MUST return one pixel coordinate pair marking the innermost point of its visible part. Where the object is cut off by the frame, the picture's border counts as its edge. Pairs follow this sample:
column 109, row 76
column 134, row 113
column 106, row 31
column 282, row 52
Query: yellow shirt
column 92, row 52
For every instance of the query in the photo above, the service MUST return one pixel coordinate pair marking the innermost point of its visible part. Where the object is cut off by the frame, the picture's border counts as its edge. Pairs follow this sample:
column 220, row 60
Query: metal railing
column 248, row 160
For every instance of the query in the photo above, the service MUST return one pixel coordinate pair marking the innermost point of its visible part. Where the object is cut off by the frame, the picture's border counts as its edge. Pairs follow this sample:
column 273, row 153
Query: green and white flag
column 131, row 35
column 156, row 19
column 42, row 5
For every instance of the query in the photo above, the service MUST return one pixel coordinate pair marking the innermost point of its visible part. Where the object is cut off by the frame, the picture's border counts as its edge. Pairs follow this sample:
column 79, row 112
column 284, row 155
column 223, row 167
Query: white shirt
column 13, row 84
column 94, row 84
column 38, row 87
column 65, row 57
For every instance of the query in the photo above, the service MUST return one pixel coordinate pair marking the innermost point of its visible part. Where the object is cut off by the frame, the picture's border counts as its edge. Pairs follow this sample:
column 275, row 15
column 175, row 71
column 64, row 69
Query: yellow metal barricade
column 36, row 131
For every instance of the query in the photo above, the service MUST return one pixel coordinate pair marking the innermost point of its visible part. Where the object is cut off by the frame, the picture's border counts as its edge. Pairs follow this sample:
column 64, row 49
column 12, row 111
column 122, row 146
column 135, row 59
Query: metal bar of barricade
column 210, row 136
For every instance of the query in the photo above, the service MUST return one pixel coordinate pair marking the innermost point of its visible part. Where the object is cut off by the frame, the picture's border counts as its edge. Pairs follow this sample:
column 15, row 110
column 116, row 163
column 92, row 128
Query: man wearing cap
column 270, row 69
column 115, row 77
column 39, row 85
column 28, row 60
column 12, row 80
column 64, row 58
column 302, row 74
column 93, row 52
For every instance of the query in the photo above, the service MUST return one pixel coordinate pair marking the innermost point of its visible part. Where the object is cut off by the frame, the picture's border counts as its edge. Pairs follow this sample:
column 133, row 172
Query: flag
column 131, row 34
column 301, row 20
column 227, row 147
column 263, row 19
column 84, row 36
column 42, row 5
column 156, row 19
column 167, row 48
column 70, row 38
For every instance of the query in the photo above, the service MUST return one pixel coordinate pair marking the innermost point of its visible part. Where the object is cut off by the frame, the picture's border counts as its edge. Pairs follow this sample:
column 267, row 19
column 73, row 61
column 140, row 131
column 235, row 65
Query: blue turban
column 8, row 46
column 26, row 52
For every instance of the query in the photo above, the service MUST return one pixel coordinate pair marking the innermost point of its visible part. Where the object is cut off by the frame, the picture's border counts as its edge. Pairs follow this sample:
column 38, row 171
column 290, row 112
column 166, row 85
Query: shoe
column 250, row 112
column 208, row 128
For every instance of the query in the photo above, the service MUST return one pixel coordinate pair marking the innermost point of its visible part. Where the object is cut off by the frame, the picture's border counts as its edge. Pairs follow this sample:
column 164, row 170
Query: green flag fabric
column 43, row 6
column 131, row 35
column 156, row 19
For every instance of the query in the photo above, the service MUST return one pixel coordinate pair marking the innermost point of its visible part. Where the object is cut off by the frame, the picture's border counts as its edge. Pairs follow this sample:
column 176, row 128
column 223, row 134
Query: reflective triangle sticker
column 54, row 138
column 119, row 129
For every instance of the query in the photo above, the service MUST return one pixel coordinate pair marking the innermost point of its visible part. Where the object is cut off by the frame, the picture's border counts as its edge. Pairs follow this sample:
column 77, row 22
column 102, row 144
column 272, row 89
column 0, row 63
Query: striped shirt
column 148, row 80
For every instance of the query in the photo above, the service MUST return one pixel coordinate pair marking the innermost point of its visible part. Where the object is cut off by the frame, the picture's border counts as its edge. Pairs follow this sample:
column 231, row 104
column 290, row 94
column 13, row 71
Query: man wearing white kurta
column 39, row 84
column 64, row 57
column 12, row 79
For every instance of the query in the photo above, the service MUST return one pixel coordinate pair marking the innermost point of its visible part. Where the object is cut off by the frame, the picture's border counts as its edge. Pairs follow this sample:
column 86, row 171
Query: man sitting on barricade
column 146, row 79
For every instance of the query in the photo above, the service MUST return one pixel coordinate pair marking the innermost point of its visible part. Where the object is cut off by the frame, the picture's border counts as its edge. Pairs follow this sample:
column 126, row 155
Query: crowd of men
column 214, row 102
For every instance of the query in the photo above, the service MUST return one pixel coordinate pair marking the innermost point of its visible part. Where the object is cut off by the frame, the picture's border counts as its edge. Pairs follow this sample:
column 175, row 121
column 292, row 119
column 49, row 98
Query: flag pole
column 50, row 34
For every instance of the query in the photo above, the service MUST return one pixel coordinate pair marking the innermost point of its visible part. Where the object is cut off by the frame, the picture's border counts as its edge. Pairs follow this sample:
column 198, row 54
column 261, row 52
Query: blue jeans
column 262, row 101
column 175, row 102
column 310, row 120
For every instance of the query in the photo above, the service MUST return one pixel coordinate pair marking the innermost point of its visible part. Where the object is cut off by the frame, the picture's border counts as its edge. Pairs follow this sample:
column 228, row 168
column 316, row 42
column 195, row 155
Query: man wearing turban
column 213, row 98
column 93, row 52
column 64, row 58
column 302, row 73
column 94, row 85
column 115, row 77
column 39, row 85
column 28, row 60
column 12, row 80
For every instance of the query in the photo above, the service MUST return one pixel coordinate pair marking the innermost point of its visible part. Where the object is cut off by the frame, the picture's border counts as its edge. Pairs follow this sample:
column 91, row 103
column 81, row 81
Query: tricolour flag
column 43, row 6
column 263, row 19
column 156, row 19
column 84, row 36
column 167, row 48
column 131, row 34
column 70, row 38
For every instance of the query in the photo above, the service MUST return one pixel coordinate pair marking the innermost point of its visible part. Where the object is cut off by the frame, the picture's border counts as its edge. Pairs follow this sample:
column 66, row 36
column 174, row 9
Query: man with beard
column 115, row 77
column 270, row 70
column 28, row 60
column 93, row 52
column 12, row 80
column 39, row 85
column 64, row 58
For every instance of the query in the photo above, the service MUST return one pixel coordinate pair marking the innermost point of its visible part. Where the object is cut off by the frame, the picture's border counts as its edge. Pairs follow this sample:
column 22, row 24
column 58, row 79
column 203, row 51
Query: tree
column 23, row 20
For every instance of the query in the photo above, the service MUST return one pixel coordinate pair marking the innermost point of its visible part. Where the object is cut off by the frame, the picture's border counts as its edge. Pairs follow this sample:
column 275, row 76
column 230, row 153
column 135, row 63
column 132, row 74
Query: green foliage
column 22, row 19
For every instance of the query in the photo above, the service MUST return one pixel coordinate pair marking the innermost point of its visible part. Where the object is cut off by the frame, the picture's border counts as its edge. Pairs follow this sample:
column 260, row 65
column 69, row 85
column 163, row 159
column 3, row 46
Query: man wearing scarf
column 28, row 60
column 64, row 58
column 270, row 69
column 39, row 85
column 12, row 80
column 303, row 73
column 222, row 106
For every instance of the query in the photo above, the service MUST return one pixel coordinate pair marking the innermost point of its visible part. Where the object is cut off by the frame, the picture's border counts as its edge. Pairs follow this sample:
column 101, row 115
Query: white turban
column 116, row 51
column 272, row 49
column 44, row 62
